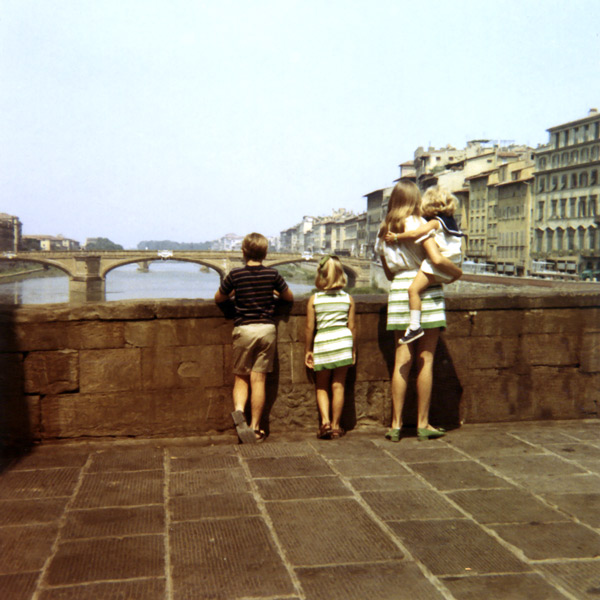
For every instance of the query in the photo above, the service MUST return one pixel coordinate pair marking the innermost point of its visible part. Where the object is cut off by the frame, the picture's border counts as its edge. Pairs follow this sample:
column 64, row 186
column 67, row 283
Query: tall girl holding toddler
column 401, row 262
column 437, row 207
column 330, row 349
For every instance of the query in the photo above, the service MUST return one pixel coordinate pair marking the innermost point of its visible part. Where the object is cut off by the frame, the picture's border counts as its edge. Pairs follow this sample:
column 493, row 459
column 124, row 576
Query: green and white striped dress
column 433, row 311
column 333, row 341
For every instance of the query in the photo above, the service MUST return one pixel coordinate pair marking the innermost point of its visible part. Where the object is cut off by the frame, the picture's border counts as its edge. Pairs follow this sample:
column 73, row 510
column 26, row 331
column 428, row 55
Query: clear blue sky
column 186, row 120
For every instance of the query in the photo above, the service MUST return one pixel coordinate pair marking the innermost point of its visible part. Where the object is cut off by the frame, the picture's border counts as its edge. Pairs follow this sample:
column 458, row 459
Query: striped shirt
column 253, row 287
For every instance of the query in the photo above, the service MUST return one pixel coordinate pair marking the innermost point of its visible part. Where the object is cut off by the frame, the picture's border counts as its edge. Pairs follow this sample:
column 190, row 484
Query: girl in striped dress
column 401, row 263
column 330, row 351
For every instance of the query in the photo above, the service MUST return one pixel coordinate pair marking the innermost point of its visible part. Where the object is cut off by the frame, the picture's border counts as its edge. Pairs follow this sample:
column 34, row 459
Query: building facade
column 10, row 233
column 567, row 186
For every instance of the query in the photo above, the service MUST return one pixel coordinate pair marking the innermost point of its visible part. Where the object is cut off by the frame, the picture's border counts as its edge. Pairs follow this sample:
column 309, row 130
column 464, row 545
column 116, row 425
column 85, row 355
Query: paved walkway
column 488, row 512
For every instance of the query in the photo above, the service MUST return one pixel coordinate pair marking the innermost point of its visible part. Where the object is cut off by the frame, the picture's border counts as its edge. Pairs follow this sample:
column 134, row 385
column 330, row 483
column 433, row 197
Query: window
column 563, row 208
column 581, row 238
column 585, row 155
column 555, row 159
column 553, row 214
column 564, row 159
column 583, row 179
column 573, row 180
column 591, row 239
column 540, row 213
column 572, row 207
column 593, row 209
column 563, row 182
column 571, row 239
column 574, row 157
column 560, row 234
column 549, row 240
column 594, row 177
column 581, row 212
column 554, row 182
column 543, row 163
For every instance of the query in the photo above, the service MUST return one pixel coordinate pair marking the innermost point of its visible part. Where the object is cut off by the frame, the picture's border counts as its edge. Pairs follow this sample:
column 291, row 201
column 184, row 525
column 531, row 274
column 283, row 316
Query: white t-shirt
column 405, row 255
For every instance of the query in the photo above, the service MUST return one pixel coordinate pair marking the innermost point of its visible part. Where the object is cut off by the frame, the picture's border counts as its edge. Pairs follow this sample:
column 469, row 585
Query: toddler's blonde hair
column 330, row 274
column 438, row 200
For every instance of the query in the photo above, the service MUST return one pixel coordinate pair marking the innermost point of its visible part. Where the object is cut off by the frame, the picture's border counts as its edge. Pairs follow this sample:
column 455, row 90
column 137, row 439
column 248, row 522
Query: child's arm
column 441, row 262
column 287, row 295
column 309, row 359
column 352, row 328
column 220, row 297
column 414, row 234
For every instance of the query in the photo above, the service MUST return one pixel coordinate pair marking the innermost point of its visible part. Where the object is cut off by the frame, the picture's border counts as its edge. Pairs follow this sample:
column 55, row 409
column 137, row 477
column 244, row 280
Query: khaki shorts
column 254, row 348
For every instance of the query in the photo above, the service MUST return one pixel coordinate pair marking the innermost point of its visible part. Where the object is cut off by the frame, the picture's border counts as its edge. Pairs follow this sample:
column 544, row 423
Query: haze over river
column 163, row 280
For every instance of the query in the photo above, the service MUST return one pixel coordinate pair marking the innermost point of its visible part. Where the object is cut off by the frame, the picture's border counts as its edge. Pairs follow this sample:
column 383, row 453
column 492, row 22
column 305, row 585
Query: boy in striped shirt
column 253, row 288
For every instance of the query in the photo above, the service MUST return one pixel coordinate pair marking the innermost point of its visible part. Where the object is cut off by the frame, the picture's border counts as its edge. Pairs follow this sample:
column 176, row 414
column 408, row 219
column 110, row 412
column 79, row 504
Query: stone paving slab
column 504, row 506
column 383, row 581
column 526, row 586
column 491, row 511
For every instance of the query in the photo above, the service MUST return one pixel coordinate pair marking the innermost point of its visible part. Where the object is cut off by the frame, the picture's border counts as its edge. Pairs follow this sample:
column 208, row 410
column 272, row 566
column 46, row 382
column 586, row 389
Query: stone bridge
column 87, row 270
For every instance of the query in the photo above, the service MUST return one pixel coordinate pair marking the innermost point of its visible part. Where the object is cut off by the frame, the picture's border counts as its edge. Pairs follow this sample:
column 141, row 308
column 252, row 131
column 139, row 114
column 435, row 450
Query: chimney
column 593, row 111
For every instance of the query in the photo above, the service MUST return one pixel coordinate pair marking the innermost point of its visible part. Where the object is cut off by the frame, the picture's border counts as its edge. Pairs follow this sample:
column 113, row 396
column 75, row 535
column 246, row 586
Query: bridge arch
column 129, row 261
column 39, row 261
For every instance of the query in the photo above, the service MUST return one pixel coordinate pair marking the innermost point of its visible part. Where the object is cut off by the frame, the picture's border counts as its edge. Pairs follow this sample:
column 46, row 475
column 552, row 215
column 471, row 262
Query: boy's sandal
column 260, row 435
column 245, row 433
column 393, row 435
column 324, row 432
column 336, row 434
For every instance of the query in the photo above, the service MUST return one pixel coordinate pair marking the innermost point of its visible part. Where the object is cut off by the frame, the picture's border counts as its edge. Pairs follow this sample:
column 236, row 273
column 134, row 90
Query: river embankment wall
column 163, row 368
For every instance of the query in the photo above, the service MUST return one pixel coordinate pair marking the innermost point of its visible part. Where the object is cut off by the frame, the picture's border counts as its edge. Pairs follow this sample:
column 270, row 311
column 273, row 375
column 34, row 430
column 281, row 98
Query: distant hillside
column 170, row 245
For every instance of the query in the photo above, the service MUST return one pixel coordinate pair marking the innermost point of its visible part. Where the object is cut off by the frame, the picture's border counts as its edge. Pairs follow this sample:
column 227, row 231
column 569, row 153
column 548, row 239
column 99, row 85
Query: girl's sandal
column 393, row 435
column 336, row 434
column 260, row 435
column 324, row 432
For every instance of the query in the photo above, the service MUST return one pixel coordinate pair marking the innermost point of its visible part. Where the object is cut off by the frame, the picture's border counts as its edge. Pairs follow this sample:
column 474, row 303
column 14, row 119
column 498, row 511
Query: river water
column 163, row 280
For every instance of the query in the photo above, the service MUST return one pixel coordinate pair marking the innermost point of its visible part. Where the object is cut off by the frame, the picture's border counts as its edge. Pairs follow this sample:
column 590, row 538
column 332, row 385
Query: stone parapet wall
column 163, row 368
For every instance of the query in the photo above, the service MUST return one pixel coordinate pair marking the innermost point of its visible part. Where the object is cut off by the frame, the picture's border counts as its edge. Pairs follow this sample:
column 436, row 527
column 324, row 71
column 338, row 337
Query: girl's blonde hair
column 438, row 201
column 404, row 202
column 330, row 274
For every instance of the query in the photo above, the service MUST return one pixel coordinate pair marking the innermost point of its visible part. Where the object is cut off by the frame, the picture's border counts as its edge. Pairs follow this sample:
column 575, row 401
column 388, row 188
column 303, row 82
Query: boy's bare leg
column 257, row 397
column 337, row 395
column 322, row 389
column 241, row 385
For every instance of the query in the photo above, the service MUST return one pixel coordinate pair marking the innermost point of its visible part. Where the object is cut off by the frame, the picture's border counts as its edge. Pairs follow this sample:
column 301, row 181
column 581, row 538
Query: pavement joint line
column 94, row 581
column 62, row 521
column 433, row 579
column 551, row 580
column 167, row 536
column 264, row 514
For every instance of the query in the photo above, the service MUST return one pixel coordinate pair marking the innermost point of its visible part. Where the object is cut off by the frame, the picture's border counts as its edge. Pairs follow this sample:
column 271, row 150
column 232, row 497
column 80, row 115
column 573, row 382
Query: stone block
column 42, row 336
column 459, row 323
column 51, row 372
column 495, row 323
column 556, row 320
column 149, row 413
column 178, row 332
column 96, row 334
column 372, row 362
column 554, row 393
column 298, row 371
column 11, row 373
column 468, row 354
column 165, row 367
column 546, row 349
column 19, row 418
column 290, row 328
column 493, row 396
column 589, row 357
column 110, row 370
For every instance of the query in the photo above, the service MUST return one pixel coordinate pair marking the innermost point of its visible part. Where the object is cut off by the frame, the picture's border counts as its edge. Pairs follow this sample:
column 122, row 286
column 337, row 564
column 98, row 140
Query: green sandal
column 393, row 435
column 429, row 434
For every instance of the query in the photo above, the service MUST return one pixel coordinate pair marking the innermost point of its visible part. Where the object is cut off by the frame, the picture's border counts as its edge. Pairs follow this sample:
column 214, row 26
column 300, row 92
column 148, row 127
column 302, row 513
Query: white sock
column 415, row 320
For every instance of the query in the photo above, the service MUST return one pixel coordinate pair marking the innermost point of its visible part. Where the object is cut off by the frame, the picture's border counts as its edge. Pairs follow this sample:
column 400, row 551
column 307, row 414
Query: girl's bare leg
column 425, row 352
column 402, row 363
column 322, row 387
column 337, row 395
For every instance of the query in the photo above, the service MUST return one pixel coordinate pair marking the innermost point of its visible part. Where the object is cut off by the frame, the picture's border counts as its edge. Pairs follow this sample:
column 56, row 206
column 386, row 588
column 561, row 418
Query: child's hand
column 390, row 238
column 309, row 360
column 354, row 355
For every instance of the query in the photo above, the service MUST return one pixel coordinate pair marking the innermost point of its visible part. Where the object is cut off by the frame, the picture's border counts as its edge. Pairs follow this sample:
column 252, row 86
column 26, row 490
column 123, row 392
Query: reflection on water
column 163, row 280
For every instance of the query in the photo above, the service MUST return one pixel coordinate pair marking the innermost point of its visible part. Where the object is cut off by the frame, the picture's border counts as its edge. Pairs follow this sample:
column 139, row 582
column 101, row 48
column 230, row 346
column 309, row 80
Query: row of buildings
column 12, row 240
column 524, row 210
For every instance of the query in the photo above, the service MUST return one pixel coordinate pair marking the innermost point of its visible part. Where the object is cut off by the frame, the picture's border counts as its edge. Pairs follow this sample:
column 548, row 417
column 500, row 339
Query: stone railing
column 163, row 368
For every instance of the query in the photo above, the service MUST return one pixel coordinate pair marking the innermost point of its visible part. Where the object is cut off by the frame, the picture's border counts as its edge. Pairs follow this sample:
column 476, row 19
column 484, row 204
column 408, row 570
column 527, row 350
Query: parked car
column 590, row 275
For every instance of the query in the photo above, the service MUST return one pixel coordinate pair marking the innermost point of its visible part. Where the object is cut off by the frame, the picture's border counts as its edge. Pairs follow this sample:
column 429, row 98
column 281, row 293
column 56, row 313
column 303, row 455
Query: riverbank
column 18, row 272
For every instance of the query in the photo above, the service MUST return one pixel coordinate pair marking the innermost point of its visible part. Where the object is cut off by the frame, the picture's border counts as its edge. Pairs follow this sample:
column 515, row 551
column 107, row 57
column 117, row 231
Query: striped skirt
column 332, row 348
column 433, row 312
